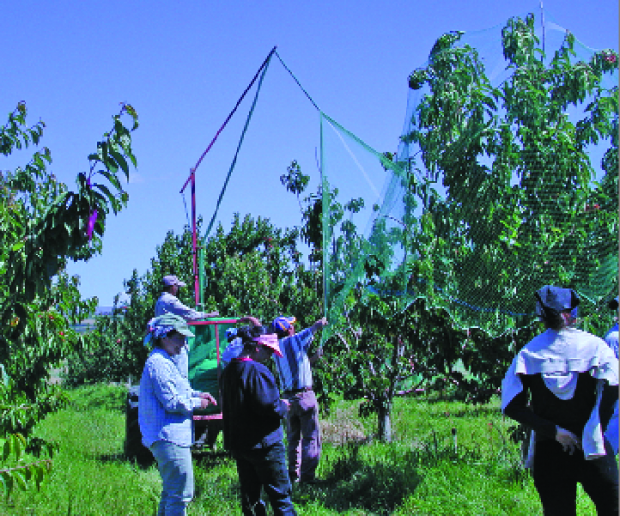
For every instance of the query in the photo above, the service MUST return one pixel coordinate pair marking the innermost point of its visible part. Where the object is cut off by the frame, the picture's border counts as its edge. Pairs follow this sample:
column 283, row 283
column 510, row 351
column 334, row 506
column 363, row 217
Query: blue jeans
column 264, row 467
column 175, row 467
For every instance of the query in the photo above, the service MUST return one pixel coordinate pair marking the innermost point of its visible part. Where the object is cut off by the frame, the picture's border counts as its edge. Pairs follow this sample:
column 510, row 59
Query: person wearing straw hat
column 251, row 414
column 165, row 408
column 611, row 338
column 294, row 368
column 563, row 385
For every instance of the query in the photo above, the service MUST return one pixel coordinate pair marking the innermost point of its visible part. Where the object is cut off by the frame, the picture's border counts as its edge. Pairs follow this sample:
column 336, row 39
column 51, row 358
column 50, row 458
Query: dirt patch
column 342, row 428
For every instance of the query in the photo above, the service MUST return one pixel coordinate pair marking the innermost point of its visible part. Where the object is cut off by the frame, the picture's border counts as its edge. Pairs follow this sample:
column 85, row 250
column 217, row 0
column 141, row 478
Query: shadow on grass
column 209, row 459
column 353, row 483
column 204, row 458
column 476, row 412
column 216, row 464
column 142, row 463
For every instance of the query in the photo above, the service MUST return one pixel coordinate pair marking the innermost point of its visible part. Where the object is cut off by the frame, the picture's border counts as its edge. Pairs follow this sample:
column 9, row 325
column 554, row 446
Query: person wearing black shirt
column 563, row 385
column 251, row 413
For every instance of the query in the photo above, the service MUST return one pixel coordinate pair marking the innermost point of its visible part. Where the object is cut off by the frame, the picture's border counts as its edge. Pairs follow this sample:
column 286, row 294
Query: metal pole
column 194, row 250
column 542, row 18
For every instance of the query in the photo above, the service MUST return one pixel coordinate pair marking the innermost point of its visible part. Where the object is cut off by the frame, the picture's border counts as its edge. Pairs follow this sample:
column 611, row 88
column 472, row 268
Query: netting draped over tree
column 506, row 179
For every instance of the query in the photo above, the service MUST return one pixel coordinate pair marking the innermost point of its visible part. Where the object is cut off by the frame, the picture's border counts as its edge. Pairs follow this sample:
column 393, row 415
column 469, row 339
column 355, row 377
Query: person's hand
column 206, row 399
column 320, row 323
column 287, row 403
column 567, row 439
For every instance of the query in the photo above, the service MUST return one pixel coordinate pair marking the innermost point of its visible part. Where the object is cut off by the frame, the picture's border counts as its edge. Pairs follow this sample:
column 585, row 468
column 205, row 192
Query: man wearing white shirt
column 168, row 303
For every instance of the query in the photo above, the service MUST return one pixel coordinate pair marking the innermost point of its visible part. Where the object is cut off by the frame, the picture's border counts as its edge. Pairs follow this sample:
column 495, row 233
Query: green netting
column 506, row 179
column 203, row 359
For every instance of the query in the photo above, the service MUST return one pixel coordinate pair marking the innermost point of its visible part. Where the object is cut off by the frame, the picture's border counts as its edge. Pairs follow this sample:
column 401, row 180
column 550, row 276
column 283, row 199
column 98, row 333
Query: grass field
column 423, row 472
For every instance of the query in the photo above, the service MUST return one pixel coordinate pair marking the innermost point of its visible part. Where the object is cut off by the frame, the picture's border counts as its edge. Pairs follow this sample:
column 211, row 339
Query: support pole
column 194, row 239
column 192, row 178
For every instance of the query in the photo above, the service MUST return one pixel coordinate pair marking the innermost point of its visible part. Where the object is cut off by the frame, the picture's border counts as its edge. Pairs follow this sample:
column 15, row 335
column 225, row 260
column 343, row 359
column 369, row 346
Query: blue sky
column 184, row 64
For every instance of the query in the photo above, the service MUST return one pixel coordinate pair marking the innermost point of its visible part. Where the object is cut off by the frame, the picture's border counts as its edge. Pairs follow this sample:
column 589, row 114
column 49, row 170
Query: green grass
column 420, row 473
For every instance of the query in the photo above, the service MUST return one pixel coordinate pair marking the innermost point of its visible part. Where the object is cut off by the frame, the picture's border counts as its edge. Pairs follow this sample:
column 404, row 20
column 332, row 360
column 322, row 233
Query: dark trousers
column 556, row 474
column 264, row 467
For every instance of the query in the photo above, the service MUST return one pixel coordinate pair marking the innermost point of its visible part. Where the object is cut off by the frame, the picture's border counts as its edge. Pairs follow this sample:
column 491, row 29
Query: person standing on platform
column 168, row 303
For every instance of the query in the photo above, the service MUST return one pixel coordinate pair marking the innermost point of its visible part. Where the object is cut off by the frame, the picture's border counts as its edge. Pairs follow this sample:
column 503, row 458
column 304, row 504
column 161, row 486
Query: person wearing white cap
column 252, row 412
column 168, row 303
column 611, row 338
column 563, row 385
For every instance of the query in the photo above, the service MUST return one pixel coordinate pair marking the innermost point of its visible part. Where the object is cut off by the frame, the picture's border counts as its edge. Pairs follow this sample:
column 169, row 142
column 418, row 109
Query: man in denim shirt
column 303, row 431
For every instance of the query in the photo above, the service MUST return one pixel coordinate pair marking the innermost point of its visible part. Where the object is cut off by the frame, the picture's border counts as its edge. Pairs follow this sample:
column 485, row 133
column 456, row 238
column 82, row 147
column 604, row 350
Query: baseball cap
column 556, row 298
column 172, row 280
column 613, row 304
column 283, row 323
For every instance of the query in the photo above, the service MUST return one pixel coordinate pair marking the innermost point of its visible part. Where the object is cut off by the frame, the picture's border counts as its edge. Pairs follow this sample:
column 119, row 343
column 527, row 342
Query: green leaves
column 514, row 162
column 51, row 223
column 42, row 224
column 21, row 473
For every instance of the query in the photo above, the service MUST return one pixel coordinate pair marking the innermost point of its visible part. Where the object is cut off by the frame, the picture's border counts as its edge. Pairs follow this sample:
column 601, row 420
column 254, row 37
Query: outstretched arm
column 319, row 324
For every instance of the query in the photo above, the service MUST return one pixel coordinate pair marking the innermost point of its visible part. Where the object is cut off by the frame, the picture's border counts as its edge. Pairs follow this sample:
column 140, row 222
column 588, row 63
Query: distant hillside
column 89, row 323
column 103, row 310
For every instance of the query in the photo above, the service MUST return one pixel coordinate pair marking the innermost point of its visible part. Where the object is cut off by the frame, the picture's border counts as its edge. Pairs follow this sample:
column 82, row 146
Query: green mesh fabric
column 490, row 195
column 203, row 363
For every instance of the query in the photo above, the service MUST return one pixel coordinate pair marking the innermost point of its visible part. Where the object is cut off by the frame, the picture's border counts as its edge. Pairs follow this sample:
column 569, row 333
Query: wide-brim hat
column 269, row 340
column 172, row 280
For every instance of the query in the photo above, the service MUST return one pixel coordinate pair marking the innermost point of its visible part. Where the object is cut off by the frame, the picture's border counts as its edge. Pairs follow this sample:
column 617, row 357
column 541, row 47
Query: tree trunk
column 384, row 433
